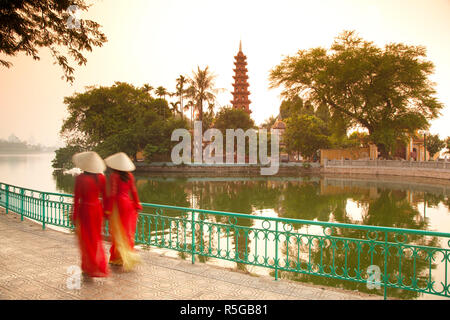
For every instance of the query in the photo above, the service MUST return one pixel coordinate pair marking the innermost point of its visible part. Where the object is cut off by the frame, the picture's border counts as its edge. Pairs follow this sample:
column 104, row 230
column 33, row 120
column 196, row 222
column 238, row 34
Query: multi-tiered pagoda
column 241, row 93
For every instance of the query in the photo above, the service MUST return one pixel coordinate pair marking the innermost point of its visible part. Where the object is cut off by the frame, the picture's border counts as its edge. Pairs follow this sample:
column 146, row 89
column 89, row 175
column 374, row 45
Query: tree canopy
column 292, row 107
column 201, row 89
column 29, row 25
column 434, row 144
column 385, row 90
column 117, row 118
column 232, row 118
column 325, row 129
column 305, row 134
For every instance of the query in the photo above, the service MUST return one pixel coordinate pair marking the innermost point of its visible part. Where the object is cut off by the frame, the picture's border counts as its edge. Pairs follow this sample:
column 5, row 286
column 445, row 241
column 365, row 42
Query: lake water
column 388, row 201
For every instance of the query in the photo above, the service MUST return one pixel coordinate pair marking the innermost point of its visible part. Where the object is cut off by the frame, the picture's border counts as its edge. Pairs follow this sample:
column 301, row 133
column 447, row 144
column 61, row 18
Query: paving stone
column 34, row 265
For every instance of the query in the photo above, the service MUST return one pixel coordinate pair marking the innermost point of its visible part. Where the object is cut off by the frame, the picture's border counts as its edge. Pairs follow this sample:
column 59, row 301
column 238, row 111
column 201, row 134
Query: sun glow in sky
column 155, row 41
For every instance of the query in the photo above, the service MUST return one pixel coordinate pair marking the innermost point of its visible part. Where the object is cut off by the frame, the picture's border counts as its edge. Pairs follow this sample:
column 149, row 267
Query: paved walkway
column 34, row 265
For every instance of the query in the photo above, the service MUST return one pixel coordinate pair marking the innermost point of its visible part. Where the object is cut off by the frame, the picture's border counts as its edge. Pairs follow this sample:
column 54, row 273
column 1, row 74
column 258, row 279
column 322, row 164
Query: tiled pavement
column 34, row 265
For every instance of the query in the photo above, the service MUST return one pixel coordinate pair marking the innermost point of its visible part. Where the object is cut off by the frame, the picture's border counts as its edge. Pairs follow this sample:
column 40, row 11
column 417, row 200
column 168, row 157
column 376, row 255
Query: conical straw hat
column 89, row 161
column 120, row 161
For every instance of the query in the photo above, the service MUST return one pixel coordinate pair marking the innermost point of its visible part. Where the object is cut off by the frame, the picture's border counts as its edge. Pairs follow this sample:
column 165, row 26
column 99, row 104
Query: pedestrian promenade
column 34, row 265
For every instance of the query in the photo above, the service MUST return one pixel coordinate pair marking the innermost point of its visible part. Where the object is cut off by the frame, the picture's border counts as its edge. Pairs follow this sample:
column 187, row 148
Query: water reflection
column 309, row 198
column 381, row 207
column 31, row 171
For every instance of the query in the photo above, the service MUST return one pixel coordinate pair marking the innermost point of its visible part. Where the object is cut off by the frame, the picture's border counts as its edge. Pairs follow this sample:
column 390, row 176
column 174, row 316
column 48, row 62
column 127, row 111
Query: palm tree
column 211, row 107
column 175, row 107
column 190, row 105
column 161, row 92
column 181, row 81
column 202, row 89
column 147, row 88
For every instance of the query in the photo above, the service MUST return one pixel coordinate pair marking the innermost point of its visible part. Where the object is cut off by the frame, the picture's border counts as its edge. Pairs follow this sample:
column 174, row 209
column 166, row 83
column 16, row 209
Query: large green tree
column 156, row 138
column 434, row 144
column 385, row 90
column 26, row 26
column 334, row 125
column 117, row 118
column 306, row 134
column 232, row 118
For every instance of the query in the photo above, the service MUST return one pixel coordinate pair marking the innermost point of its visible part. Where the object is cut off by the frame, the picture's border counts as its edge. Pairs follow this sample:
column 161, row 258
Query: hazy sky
column 155, row 41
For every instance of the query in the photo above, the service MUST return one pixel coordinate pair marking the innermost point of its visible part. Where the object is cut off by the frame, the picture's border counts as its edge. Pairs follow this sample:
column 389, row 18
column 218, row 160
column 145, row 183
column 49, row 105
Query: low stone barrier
column 431, row 169
column 358, row 168
column 388, row 163
column 288, row 168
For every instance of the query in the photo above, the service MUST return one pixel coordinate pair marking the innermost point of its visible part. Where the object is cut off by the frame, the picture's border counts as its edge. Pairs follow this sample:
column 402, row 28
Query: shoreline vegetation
column 16, row 146
column 24, row 152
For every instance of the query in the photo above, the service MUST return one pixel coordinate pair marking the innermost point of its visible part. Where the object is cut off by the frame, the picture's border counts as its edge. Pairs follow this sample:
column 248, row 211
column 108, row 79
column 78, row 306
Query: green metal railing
column 374, row 259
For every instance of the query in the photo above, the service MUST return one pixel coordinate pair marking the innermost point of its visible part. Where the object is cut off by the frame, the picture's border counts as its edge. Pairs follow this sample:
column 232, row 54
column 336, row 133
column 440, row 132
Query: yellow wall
column 353, row 154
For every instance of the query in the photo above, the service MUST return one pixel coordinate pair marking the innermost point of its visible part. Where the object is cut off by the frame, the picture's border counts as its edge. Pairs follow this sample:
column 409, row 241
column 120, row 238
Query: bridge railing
column 387, row 261
column 45, row 207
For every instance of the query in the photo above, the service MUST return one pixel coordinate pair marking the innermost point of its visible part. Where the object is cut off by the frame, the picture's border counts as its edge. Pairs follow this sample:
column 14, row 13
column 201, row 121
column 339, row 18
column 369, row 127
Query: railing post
column 22, row 191
column 193, row 237
column 7, row 198
column 276, row 250
column 43, row 211
column 385, row 278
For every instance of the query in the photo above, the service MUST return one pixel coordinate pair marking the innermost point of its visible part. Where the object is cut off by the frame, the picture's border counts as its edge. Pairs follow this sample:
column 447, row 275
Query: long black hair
column 95, row 175
column 124, row 175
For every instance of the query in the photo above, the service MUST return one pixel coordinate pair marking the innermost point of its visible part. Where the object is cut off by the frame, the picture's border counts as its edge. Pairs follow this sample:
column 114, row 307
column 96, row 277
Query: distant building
column 241, row 93
column 414, row 150
column 13, row 138
column 280, row 127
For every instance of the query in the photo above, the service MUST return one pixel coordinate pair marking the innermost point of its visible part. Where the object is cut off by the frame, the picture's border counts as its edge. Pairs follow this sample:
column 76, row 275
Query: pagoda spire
column 241, row 93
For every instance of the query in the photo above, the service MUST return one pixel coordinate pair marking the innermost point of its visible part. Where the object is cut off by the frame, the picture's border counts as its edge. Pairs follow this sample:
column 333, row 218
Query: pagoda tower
column 241, row 93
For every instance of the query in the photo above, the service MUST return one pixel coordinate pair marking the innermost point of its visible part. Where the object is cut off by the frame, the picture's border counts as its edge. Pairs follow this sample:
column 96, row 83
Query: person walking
column 123, row 207
column 88, row 212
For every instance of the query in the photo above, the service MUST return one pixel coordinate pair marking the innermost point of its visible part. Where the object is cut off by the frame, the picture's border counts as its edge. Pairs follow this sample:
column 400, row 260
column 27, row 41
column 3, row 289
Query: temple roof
column 279, row 124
